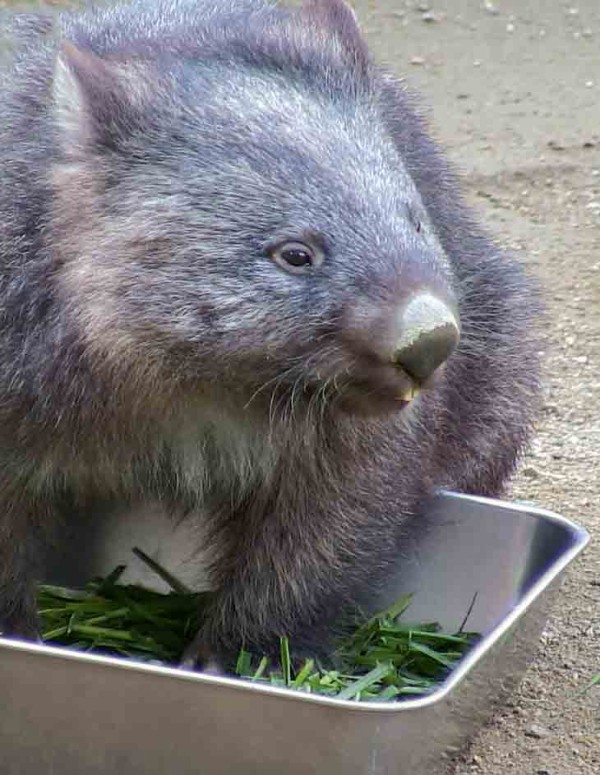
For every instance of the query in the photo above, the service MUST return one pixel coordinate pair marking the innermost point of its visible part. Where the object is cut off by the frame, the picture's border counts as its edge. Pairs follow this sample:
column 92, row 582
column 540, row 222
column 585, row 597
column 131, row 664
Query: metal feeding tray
column 76, row 714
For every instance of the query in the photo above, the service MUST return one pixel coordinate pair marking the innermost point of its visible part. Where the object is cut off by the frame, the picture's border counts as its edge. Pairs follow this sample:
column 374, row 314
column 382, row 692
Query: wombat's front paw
column 21, row 625
column 198, row 655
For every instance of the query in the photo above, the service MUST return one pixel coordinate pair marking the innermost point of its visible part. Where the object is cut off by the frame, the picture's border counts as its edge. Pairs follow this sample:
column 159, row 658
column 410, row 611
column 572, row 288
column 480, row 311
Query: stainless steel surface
column 71, row 714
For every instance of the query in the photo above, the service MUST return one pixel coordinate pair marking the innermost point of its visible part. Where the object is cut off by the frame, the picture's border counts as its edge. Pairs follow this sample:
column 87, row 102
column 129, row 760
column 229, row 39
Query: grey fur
column 150, row 349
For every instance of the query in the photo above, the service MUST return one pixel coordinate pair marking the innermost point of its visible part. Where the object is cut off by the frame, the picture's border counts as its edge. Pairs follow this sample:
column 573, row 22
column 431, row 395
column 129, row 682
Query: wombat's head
column 231, row 210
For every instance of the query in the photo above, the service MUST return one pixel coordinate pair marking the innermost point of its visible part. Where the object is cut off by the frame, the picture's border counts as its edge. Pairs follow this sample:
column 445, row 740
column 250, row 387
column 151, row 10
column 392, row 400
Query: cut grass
column 382, row 659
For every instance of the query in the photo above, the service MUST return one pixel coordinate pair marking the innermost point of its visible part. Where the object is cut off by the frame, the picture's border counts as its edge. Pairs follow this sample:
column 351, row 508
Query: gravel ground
column 514, row 90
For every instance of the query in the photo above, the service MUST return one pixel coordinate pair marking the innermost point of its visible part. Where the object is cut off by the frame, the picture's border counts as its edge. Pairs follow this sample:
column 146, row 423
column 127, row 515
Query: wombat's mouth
column 380, row 391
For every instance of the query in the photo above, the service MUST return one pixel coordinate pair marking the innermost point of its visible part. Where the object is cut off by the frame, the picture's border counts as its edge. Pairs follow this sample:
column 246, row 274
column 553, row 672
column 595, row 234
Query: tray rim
column 580, row 539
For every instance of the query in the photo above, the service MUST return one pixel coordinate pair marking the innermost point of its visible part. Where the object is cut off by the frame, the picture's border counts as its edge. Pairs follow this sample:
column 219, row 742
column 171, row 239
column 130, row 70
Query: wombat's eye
column 413, row 217
column 296, row 257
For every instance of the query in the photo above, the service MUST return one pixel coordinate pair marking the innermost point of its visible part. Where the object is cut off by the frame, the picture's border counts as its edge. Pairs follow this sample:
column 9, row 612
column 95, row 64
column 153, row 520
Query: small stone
column 587, row 33
column 417, row 61
column 537, row 731
column 589, row 84
column 490, row 8
column 556, row 145
column 510, row 27
column 581, row 359
column 431, row 16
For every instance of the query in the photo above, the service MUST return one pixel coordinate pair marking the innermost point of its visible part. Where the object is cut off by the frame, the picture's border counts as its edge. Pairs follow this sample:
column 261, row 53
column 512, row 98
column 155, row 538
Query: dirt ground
column 514, row 92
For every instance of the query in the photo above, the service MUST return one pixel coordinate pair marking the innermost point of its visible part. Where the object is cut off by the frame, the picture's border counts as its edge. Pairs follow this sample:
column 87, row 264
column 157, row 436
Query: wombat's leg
column 19, row 567
column 250, row 610
column 287, row 567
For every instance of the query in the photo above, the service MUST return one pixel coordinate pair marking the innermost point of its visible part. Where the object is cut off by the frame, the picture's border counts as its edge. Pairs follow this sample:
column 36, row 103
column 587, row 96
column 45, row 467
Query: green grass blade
column 243, row 666
column 168, row 578
column 307, row 669
column 286, row 666
column 263, row 664
column 375, row 675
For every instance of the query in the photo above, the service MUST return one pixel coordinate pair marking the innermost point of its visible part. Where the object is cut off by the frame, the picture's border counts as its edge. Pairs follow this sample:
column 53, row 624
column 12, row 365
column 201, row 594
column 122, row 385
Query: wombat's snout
column 428, row 333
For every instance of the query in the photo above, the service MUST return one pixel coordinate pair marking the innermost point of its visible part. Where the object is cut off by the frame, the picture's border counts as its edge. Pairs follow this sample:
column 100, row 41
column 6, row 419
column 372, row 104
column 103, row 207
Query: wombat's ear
column 339, row 18
column 337, row 10
column 92, row 105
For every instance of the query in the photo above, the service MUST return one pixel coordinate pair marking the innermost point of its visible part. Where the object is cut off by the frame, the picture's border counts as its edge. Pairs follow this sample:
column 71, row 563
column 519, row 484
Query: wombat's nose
column 429, row 333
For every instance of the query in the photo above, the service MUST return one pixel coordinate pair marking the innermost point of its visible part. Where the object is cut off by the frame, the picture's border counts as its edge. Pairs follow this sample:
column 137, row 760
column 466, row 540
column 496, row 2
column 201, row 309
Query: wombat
column 237, row 276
